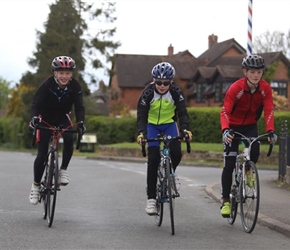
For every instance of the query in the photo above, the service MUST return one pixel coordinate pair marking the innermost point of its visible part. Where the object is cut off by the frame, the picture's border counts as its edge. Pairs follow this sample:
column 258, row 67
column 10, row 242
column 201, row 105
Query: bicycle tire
column 52, row 190
column 250, row 199
column 159, row 200
column 169, row 191
column 43, row 190
column 233, row 199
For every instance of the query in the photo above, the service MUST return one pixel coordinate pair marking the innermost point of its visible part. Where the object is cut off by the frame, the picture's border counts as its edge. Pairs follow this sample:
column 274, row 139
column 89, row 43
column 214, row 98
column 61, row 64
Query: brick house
column 204, row 80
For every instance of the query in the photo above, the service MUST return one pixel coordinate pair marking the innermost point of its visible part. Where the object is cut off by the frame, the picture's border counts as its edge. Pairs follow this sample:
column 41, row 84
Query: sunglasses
column 159, row 83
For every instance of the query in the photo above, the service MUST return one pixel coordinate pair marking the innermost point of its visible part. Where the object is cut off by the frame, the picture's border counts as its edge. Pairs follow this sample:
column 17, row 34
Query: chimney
column 212, row 40
column 170, row 50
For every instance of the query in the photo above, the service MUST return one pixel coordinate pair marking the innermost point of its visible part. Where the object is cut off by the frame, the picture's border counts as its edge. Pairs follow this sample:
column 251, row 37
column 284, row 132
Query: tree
column 272, row 42
column 16, row 104
column 67, row 33
column 4, row 92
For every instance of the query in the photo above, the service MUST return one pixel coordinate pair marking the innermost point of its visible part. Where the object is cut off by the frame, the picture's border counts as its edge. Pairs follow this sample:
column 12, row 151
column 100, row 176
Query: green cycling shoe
column 226, row 210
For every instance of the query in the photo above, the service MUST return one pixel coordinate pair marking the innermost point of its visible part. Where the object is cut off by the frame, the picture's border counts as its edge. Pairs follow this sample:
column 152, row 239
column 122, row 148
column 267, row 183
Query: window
column 218, row 96
column 220, row 90
column 200, row 92
column 280, row 87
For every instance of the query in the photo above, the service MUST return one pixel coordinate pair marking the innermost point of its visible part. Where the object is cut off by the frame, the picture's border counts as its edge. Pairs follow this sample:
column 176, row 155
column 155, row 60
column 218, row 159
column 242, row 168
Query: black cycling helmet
column 253, row 62
column 63, row 63
column 163, row 70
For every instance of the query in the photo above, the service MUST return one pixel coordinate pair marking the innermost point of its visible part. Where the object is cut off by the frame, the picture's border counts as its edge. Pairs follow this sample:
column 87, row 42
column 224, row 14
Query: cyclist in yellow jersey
column 160, row 105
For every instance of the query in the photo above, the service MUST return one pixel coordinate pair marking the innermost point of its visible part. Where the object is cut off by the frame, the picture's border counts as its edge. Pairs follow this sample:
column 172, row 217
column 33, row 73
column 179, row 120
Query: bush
column 112, row 130
column 12, row 133
column 204, row 124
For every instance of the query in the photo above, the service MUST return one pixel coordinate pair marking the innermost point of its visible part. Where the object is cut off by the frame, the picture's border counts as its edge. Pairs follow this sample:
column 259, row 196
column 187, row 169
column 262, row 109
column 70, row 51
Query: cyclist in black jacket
column 53, row 101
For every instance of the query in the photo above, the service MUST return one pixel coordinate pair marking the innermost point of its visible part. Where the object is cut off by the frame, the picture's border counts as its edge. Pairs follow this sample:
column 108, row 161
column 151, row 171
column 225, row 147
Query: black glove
column 186, row 134
column 272, row 137
column 81, row 127
column 35, row 120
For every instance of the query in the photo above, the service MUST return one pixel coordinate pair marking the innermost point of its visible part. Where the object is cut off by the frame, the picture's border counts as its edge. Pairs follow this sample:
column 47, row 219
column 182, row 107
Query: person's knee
column 255, row 153
column 176, row 154
column 230, row 163
column 68, row 142
column 153, row 156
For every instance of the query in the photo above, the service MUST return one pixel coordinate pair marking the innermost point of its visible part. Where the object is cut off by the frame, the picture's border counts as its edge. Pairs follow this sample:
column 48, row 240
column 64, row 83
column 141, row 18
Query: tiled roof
column 205, row 72
column 229, row 72
column 135, row 70
column 228, row 60
column 218, row 49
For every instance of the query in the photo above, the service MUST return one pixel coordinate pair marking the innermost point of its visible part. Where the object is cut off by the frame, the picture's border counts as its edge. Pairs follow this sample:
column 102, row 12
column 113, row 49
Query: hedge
column 204, row 124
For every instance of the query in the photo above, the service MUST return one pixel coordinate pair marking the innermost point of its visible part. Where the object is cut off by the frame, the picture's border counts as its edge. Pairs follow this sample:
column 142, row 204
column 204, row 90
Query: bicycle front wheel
column 44, row 190
column 234, row 199
column 159, row 200
column 169, row 192
column 52, row 188
column 250, row 197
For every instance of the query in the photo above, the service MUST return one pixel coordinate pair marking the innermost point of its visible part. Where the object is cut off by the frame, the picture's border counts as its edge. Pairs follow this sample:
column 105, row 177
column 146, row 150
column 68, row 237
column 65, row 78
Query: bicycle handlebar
column 58, row 130
column 166, row 139
column 250, row 140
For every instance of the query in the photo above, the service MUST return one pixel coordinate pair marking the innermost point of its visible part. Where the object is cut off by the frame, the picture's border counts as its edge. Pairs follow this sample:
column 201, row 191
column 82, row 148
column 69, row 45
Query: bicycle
column 50, row 184
column 243, row 191
column 166, row 189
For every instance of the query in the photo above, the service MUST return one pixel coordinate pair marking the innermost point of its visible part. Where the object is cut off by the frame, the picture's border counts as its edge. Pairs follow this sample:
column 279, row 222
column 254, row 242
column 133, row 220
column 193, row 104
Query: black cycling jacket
column 53, row 103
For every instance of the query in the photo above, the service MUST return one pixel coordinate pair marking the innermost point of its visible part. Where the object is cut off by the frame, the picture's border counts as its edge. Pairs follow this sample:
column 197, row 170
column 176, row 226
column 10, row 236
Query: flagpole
column 250, row 12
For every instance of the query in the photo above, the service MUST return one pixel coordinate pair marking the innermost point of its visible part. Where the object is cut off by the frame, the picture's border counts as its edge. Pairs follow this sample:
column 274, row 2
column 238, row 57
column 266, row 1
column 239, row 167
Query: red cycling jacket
column 241, row 107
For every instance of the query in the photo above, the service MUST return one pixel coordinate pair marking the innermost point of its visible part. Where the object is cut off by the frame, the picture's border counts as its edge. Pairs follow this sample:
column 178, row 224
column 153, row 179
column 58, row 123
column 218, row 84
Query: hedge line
column 204, row 124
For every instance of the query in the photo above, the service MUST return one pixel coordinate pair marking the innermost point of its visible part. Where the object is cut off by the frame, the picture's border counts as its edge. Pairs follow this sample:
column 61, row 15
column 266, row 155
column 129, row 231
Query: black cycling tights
column 153, row 162
column 42, row 146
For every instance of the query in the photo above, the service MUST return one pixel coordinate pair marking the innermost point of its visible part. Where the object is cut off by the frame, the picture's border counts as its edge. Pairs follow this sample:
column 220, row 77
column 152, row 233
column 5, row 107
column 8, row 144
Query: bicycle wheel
column 233, row 199
column 52, row 187
column 250, row 197
column 169, row 191
column 43, row 192
column 159, row 200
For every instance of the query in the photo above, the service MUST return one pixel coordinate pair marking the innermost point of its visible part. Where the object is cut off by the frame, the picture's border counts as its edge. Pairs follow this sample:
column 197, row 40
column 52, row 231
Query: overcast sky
column 144, row 27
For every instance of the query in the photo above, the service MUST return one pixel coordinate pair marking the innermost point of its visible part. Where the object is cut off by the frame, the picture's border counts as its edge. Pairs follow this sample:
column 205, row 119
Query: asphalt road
column 103, row 208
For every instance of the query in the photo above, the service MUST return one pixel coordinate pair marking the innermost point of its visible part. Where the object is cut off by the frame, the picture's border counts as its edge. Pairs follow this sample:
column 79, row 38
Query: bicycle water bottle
column 239, row 174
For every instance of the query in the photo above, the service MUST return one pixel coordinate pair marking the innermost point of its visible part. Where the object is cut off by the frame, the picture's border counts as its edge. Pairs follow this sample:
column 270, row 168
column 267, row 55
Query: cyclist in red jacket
column 243, row 105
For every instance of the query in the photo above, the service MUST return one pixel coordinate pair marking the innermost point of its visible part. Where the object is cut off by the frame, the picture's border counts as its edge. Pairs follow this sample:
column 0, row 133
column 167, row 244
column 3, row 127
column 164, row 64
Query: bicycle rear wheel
column 52, row 187
column 233, row 199
column 250, row 198
column 169, row 192
column 159, row 200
